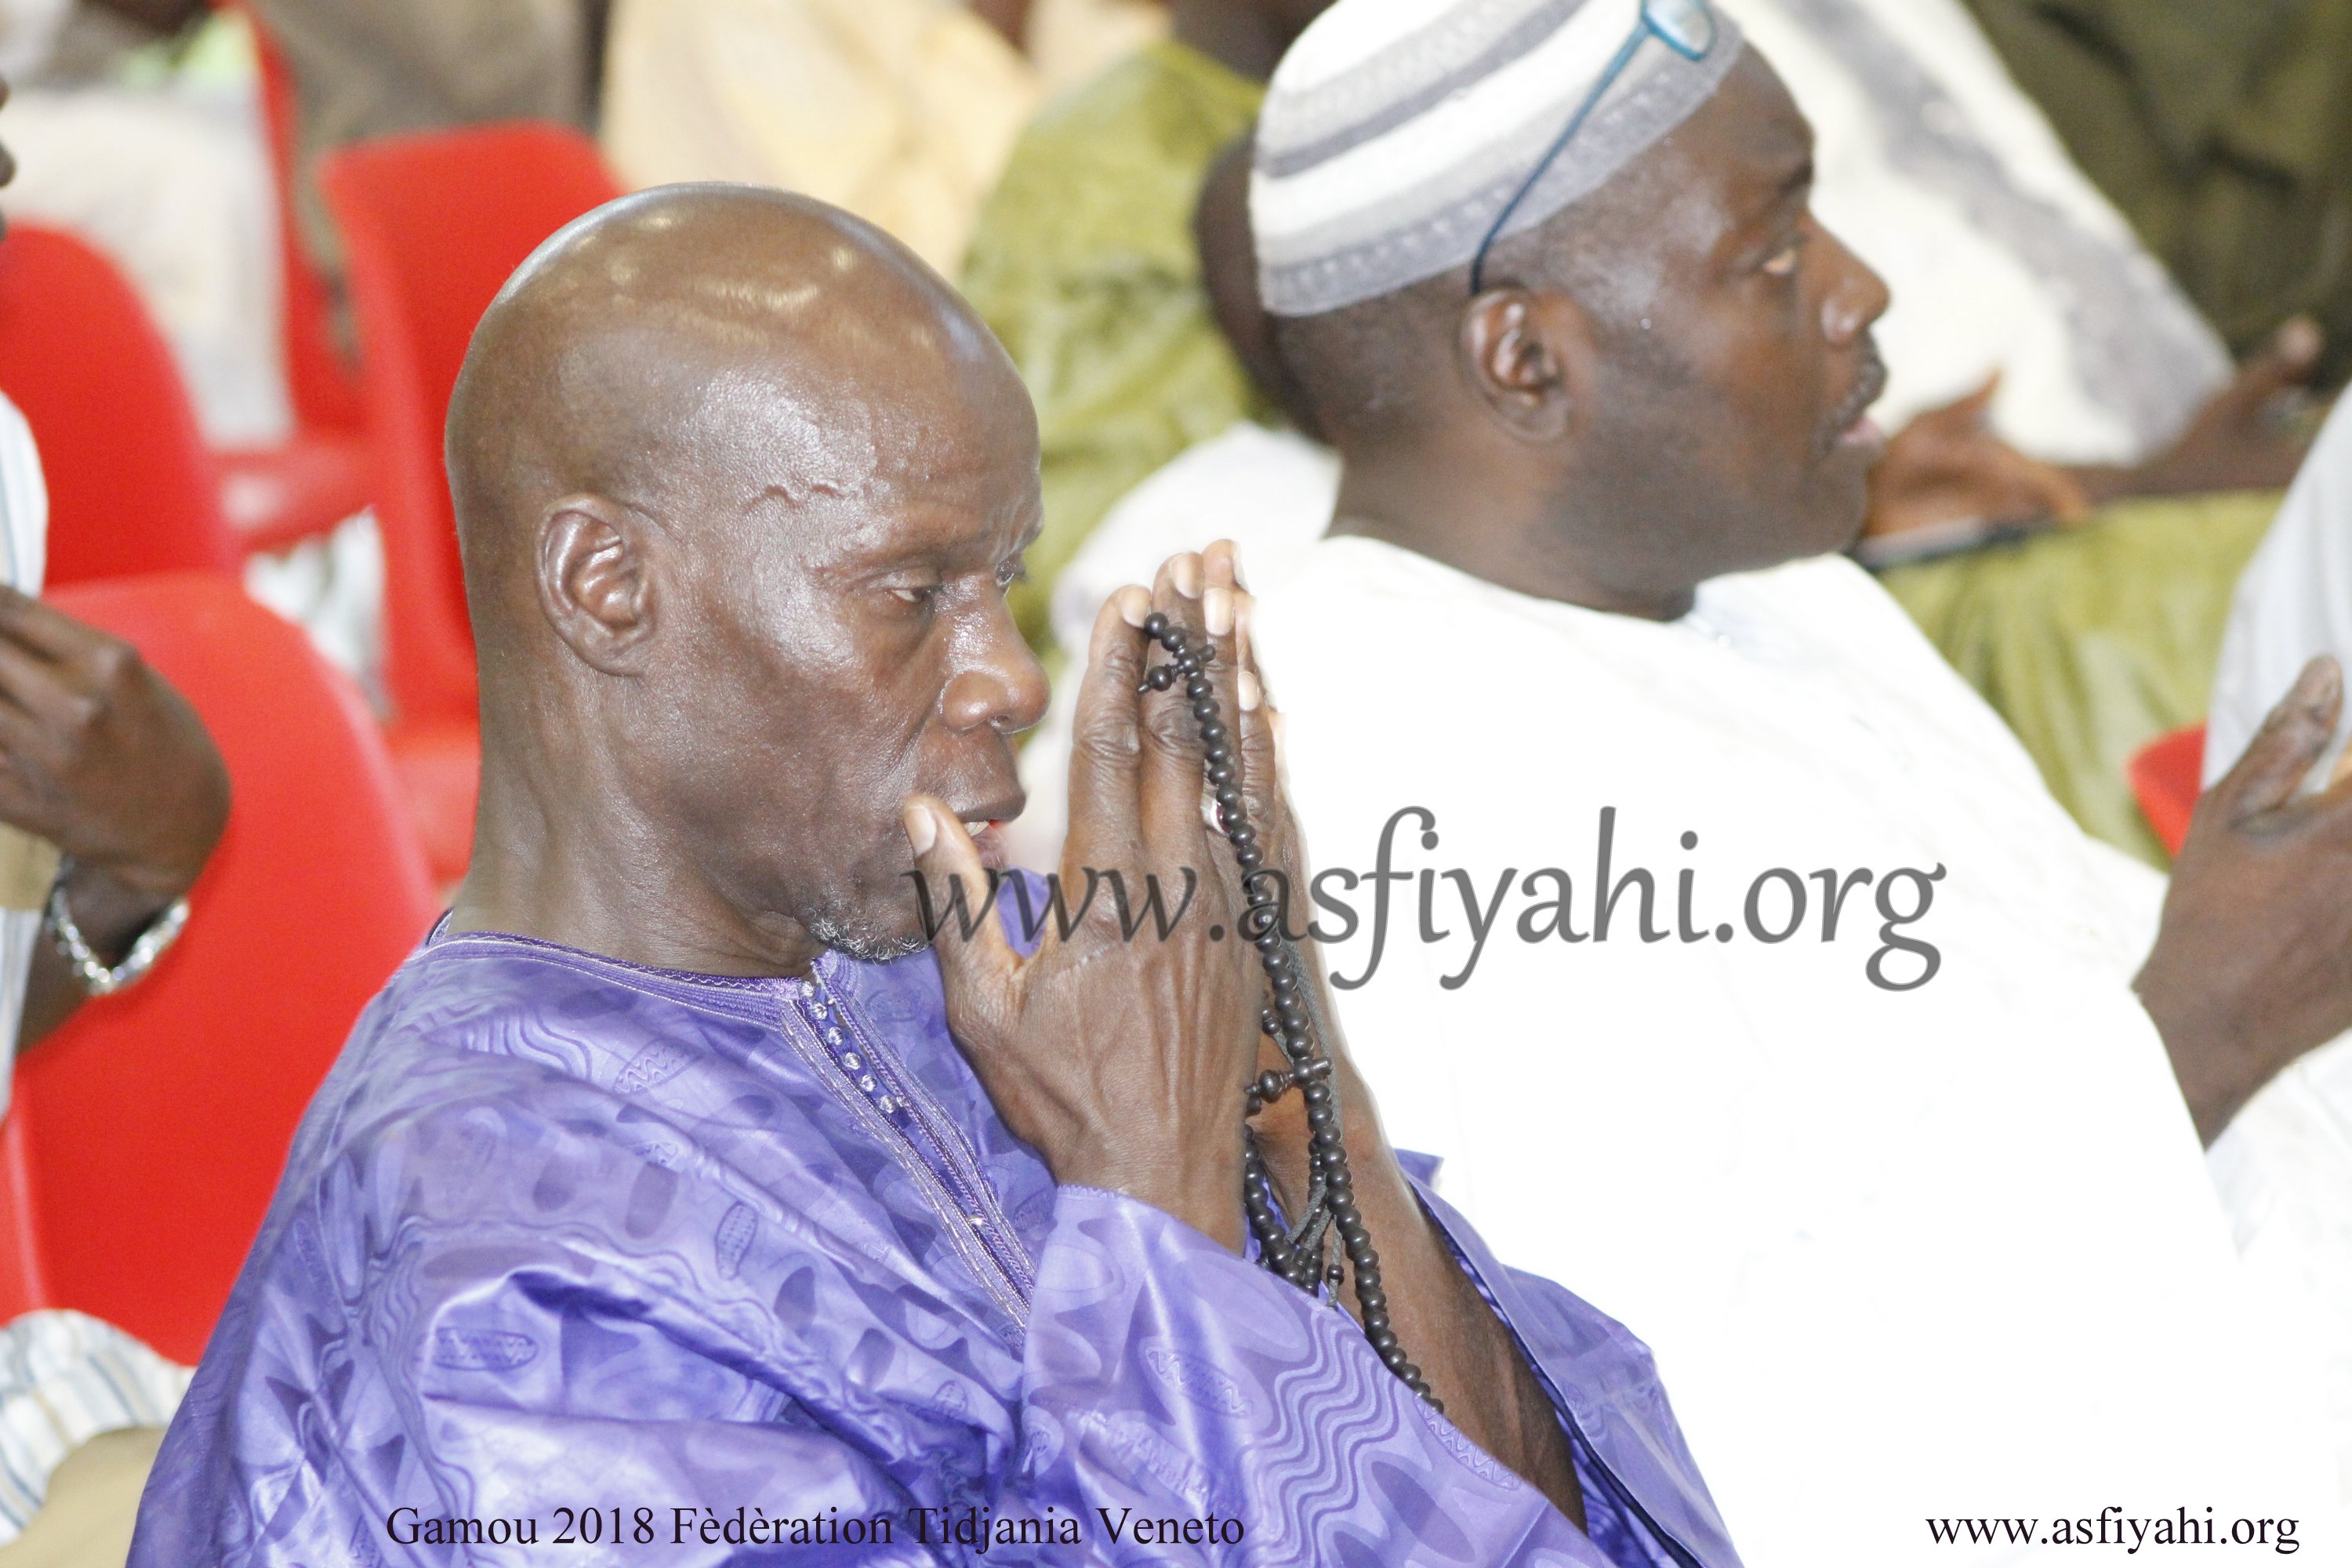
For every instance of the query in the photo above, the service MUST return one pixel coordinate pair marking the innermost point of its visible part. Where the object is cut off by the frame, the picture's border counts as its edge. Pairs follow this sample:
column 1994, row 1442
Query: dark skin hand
column 1009, row 17
column 2237, row 442
column 741, row 485
column 1560, row 449
column 1947, row 465
column 100, row 756
column 2252, row 965
column 1121, row 1062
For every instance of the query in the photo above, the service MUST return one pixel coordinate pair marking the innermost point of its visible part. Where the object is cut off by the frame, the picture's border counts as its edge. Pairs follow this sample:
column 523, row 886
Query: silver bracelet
column 96, row 978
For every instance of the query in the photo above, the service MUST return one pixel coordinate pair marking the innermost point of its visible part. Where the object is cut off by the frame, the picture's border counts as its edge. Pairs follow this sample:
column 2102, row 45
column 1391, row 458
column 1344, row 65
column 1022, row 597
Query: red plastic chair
column 155, row 1125
column 432, row 225
column 277, row 496
column 2167, row 775
column 132, row 487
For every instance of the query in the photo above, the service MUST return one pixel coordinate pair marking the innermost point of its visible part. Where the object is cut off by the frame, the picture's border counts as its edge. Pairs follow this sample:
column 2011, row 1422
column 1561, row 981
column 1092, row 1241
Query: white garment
column 174, row 186
column 1938, row 171
column 902, row 111
column 2294, row 602
column 65, row 1378
column 2284, row 1168
column 1901, row 1255
column 1269, row 491
column 23, row 554
column 2286, row 1164
column 29, row 31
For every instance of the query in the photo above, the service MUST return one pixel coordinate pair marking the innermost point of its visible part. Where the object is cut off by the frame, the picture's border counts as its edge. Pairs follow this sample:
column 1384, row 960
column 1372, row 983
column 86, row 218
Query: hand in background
column 2252, row 962
column 100, row 756
column 1010, row 18
column 2237, row 442
column 1947, row 466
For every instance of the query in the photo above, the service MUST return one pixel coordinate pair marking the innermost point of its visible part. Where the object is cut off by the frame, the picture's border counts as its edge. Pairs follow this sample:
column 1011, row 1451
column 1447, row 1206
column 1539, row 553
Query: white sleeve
column 2293, row 600
column 23, row 550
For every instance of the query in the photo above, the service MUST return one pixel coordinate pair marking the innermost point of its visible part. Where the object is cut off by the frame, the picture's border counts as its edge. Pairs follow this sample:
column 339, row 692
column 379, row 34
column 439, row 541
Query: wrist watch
column 96, row 978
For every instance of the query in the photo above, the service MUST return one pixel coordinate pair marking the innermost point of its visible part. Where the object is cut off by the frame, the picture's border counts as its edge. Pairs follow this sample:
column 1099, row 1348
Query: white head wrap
column 1395, row 132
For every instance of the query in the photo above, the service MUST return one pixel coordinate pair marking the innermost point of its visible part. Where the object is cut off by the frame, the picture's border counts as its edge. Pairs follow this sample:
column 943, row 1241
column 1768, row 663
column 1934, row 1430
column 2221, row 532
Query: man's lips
column 985, row 823
column 1851, row 424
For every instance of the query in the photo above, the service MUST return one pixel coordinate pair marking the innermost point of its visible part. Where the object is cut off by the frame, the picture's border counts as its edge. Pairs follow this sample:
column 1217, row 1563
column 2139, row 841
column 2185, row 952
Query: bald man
column 1691, row 896
column 674, row 1200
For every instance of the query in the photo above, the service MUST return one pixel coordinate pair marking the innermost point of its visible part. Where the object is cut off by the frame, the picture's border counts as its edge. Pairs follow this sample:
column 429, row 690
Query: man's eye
column 1014, row 571
column 1782, row 263
column 918, row 596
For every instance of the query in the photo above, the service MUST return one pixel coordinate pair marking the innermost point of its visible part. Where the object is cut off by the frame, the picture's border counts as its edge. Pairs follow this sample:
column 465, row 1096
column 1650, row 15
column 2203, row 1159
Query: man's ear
column 595, row 581
column 1529, row 357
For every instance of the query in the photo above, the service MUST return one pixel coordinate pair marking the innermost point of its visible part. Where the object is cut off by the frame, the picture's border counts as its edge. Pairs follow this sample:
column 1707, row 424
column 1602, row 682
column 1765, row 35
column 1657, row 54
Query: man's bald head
column 674, row 346
column 739, row 484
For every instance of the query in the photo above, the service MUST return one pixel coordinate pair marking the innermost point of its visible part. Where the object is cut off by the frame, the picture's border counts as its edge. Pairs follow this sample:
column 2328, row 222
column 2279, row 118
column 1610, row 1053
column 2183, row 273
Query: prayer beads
column 1297, row 1253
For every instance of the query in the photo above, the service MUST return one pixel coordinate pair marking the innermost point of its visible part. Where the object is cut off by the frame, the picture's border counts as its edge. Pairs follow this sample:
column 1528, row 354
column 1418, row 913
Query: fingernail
column 1249, row 692
column 1134, row 605
column 922, row 828
column 2317, row 685
column 1187, row 575
column 1217, row 610
column 1239, row 580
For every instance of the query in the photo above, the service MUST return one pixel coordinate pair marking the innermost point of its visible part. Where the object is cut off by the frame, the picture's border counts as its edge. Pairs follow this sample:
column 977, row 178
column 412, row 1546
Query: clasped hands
column 1122, row 1059
column 1121, row 1056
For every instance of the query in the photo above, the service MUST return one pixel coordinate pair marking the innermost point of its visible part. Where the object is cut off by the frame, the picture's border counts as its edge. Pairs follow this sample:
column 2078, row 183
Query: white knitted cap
column 1394, row 131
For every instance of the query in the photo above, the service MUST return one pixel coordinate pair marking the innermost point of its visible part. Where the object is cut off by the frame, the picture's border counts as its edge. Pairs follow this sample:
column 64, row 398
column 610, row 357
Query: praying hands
column 1123, row 1060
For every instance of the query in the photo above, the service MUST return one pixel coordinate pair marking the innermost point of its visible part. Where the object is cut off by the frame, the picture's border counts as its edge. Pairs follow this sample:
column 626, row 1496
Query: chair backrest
column 132, row 487
column 2167, row 775
column 321, row 384
column 156, row 1123
column 432, row 225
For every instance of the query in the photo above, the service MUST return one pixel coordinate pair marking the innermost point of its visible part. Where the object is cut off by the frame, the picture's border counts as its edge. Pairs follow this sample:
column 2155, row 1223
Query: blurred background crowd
column 246, row 243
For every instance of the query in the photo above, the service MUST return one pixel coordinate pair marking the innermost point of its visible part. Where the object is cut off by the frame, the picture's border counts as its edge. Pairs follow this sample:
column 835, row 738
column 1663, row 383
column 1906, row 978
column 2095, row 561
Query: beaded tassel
column 1297, row 1254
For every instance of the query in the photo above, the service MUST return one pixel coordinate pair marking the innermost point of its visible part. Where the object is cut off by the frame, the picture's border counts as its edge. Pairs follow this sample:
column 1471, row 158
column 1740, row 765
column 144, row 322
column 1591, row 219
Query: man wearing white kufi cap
column 1723, row 941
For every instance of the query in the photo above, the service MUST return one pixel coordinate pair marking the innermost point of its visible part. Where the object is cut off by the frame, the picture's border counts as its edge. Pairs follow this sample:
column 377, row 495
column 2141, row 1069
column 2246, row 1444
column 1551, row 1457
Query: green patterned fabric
column 1084, row 264
column 2093, row 641
column 2222, row 129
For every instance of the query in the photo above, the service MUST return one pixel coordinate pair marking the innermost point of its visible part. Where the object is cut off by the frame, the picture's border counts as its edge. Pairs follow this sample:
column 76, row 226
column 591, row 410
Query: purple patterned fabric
column 562, row 1235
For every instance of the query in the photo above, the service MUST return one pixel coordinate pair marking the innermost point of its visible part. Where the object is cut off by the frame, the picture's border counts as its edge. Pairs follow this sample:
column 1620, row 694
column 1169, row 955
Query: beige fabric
column 1074, row 41
column 27, row 867
column 93, row 1502
column 377, row 68
column 903, row 112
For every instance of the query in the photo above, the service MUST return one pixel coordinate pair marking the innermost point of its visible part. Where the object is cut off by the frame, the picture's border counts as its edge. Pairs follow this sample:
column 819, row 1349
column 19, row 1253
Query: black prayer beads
column 1297, row 1253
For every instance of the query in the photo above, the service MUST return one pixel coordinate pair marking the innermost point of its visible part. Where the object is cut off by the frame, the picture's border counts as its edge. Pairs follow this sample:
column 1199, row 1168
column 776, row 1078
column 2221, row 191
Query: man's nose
column 1857, row 296
column 1002, row 687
